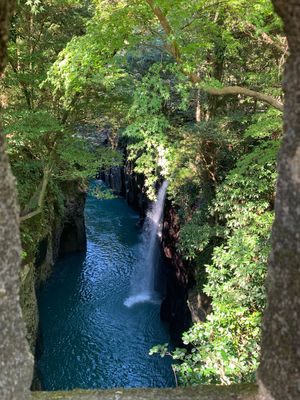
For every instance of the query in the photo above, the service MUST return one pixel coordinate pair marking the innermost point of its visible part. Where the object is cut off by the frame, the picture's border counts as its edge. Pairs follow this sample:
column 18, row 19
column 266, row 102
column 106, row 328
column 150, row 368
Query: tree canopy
column 193, row 92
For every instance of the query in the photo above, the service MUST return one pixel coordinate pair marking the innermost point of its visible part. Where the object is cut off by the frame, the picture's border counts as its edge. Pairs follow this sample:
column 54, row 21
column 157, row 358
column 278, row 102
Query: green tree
column 191, row 98
column 44, row 148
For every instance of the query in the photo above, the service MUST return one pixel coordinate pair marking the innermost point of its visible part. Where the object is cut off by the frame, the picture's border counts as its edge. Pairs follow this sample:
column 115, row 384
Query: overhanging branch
column 238, row 90
column 174, row 49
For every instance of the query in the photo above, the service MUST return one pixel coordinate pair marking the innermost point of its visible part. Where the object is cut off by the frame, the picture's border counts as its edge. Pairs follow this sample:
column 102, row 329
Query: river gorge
column 91, row 336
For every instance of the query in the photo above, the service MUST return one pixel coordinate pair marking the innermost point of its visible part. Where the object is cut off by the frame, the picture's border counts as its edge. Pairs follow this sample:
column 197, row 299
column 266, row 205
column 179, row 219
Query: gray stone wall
column 279, row 373
column 235, row 392
column 15, row 359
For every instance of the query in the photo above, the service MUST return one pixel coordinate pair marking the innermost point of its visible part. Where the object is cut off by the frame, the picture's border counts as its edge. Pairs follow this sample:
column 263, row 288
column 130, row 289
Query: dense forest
column 189, row 92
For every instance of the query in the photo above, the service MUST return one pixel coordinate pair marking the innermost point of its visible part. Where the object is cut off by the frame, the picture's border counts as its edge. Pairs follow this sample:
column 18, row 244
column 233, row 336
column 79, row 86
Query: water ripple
column 90, row 338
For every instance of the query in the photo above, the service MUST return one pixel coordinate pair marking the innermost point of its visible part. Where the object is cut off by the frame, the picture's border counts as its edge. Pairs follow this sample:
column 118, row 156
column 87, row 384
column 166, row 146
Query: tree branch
column 41, row 194
column 235, row 90
column 174, row 50
column 173, row 47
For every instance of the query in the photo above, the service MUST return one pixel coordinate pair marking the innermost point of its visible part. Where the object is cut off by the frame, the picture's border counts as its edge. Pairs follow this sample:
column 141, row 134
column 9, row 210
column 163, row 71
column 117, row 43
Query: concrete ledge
column 203, row 392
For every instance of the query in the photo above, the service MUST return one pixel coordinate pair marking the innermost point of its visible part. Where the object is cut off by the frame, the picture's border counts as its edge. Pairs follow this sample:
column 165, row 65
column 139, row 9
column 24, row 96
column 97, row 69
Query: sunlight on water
column 143, row 298
column 89, row 338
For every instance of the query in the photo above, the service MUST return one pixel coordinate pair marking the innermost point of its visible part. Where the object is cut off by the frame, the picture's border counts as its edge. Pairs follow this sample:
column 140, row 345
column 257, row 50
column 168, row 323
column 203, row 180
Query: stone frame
column 279, row 372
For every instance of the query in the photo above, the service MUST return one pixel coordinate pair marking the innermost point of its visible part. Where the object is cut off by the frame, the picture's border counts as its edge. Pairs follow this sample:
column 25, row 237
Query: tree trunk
column 279, row 373
column 15, row 360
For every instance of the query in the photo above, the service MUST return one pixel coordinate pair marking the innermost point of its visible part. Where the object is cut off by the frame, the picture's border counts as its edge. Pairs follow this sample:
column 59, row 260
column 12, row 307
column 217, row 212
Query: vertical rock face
column 114, row 178
column 125, row 182
column 279, row 373
column 67, row 234
column 72, row 237
column 135, row 190
column 28, row 302
column 174, row 308
column 15, row 360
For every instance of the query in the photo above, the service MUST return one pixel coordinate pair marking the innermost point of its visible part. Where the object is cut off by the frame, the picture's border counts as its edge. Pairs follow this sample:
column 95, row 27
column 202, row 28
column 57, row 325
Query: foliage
column 218, row 154
column 102, row 193
column 43, row 146
column 149, row 143
column 225, row 349
column 136, row 67
column 264, row 125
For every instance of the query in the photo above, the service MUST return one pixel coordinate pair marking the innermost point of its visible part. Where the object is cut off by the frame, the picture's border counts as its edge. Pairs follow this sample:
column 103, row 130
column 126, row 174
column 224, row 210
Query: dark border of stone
column 201, row 392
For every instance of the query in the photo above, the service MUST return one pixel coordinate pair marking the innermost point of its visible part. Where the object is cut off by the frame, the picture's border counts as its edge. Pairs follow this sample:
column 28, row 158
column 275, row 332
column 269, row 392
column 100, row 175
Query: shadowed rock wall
column 180, row 278
column 72, row 235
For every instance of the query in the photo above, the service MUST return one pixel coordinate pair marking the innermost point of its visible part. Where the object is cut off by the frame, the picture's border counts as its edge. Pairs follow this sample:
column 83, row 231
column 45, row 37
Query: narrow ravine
column 90, row 339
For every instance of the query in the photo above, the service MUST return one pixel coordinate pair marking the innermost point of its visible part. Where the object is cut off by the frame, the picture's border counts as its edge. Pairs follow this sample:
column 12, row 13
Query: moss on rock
column 29, row 305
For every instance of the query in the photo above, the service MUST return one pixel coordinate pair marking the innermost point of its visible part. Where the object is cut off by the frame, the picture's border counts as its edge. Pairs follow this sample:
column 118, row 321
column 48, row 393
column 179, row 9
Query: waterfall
column 143, row 280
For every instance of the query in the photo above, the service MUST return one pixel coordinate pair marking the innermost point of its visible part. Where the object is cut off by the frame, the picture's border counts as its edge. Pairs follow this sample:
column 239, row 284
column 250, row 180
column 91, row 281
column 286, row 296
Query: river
column 89, row 338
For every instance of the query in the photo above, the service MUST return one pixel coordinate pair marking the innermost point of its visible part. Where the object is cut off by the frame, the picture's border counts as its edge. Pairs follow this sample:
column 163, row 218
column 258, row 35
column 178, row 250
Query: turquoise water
column 90, row 339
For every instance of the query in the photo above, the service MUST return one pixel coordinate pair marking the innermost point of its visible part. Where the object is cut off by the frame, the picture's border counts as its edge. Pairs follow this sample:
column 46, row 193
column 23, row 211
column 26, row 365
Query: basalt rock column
column 279, row 374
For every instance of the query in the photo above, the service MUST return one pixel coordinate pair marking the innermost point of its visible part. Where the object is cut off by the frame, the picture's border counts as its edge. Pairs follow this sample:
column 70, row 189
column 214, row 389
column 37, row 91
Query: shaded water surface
column 90, row 339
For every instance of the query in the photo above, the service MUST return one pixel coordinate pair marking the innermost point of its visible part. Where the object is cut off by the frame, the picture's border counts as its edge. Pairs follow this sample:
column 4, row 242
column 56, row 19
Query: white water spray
column 143, row 281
